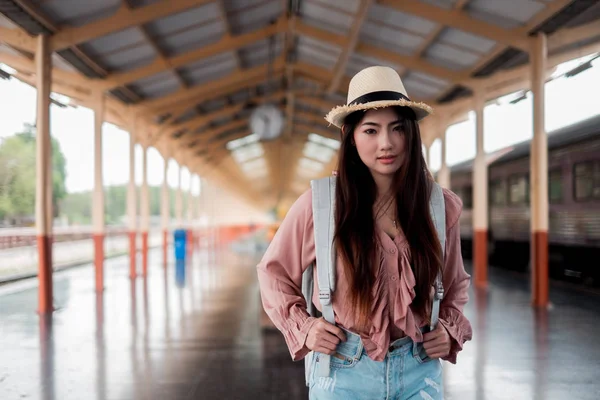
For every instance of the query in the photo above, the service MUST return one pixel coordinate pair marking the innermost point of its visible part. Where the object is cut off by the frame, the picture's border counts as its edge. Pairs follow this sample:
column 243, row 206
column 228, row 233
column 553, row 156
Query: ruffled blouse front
column 292, row 251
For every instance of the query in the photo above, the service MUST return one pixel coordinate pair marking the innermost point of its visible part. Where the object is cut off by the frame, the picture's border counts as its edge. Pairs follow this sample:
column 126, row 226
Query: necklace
column 393, row 221
column 384, row 212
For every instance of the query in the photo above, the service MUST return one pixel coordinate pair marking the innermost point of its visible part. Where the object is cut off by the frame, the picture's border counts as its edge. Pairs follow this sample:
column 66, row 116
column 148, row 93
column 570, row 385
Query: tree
column 77, row 207
column 18, row 176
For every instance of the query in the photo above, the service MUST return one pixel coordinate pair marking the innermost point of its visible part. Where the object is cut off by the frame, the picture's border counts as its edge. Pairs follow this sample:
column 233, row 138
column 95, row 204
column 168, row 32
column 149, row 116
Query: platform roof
column 186, row 74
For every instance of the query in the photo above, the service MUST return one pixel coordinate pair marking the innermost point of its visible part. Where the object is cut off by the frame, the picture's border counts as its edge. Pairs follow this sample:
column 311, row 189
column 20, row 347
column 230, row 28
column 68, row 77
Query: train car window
column 587, row 180
column 555, row 186
column 457, row 191
column 518, row 192
column 468, row 197
column 498, row 192
column 597, row 180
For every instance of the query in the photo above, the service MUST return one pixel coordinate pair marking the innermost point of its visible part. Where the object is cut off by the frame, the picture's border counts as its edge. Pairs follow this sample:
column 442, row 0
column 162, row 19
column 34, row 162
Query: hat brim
column 337, row 115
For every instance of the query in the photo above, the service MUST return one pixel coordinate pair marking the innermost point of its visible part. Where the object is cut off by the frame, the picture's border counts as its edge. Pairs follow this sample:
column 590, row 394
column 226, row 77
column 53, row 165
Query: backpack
column 323, row 203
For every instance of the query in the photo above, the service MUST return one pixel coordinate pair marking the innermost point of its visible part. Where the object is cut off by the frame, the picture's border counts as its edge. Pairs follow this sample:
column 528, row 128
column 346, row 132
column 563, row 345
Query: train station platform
column 197, row 335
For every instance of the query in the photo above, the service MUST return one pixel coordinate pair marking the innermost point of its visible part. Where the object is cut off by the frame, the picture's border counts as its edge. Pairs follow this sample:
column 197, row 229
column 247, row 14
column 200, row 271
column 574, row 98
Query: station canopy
column 187, row 76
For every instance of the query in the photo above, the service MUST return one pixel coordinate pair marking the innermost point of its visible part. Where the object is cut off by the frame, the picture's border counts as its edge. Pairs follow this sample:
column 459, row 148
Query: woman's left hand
column 437, row 342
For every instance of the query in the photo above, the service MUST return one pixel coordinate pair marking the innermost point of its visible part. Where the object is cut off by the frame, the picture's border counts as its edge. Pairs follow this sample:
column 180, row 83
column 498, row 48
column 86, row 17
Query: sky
column 568, row 100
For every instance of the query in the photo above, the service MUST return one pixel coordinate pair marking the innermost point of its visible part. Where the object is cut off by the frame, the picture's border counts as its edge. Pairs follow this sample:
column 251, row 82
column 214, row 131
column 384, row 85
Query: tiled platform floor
column 199, row 337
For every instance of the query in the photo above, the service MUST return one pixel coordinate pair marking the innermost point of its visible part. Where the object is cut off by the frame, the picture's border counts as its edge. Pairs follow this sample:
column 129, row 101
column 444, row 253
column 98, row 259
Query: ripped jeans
column 405, row 373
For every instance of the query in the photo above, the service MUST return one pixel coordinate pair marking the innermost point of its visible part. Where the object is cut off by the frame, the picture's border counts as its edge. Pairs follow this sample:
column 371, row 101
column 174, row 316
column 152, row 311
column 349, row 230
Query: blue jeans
column 405, row 373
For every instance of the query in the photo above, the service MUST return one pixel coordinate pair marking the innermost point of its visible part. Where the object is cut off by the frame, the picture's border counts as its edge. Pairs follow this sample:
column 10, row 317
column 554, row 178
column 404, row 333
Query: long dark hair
column 355, row 237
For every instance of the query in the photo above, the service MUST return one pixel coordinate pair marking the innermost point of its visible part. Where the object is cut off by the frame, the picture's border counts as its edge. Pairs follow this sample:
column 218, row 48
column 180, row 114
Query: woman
column 388, row 258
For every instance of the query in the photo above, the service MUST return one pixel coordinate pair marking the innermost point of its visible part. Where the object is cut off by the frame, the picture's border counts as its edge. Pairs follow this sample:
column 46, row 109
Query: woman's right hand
column 324, row 337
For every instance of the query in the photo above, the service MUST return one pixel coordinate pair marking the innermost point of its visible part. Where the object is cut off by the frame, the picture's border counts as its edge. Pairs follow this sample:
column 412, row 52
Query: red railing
column 21, row 237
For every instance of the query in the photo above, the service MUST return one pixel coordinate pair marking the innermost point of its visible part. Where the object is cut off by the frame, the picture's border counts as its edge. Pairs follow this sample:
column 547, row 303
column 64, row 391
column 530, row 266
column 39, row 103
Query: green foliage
column 18, row 187
column 115, row 204
column 59, row 174
column 18, row 173
column 77, row 207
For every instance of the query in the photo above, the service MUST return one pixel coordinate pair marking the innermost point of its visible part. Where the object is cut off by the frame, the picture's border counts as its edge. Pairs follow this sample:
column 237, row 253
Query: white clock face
column 266, row 121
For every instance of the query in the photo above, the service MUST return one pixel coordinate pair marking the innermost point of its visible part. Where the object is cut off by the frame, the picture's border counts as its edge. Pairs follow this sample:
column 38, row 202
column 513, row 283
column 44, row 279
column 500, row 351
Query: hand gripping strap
column 323, row 191
column 438, row 215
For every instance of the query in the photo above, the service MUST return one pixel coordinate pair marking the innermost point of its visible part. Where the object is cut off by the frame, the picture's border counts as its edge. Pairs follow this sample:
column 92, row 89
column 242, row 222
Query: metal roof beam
column 322, row 35
column 206, row 135
column 179, row 107
column 435, row 33
column 161, row 54
column 204, row 119
column 460, row 20
column 227, row 43
column 539, row 18
column 340, row 66
column 17, row 38
column 514, row 79
column 209, row 90
column 569, row 36
column 201, row 120
column 223, row 15
column 75, row 95
column 411, row 62
column 124, row 18
column 319, row 75
column 213, row 145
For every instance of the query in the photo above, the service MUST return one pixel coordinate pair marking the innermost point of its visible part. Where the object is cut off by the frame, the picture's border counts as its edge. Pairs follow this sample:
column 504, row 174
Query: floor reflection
column 541, row 353
column 47, row 357
column 192, row 331
column 480, row 338
column 100, row 349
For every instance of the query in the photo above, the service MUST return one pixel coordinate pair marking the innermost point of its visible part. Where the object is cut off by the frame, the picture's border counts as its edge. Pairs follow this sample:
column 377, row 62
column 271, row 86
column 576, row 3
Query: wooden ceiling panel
column 449, row 40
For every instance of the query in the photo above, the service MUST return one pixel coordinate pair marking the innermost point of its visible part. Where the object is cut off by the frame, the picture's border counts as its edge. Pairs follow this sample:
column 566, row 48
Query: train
column 574, row 204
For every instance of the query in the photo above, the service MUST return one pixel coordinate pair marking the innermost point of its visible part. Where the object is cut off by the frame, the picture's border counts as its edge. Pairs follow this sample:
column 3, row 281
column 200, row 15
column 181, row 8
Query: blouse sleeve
column 456, row 281
column 290, row 252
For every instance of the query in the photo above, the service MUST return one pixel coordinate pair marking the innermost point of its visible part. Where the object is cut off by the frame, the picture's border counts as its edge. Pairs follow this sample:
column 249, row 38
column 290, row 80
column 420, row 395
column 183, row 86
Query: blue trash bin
column 179, row 242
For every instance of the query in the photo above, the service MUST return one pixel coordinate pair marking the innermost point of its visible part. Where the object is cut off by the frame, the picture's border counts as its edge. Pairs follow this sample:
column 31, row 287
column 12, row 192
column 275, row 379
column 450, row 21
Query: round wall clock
column 266, row 121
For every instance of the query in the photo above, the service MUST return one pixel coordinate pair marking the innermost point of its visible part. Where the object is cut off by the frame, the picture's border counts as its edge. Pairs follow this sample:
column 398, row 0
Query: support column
column 190, row 216
column 539, row 177
column 214, row 196
column 132, row 208
column 165, row 212
column 208, row 211
column 49, row 197
column 427, row 155
column 145, row 211
column 179, row 201
column 444, row 172
column 480, row 199
column 98, row 199
column 43, row 197
column 199, row 210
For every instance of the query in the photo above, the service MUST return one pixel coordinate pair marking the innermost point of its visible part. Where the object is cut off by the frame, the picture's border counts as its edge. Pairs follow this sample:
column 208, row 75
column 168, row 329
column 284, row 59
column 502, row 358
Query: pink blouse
column 293, row 250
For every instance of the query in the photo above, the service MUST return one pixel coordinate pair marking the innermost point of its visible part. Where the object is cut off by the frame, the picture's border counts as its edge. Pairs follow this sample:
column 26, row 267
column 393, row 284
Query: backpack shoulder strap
column 437, row 209
column 323, row 196
column 324, row 226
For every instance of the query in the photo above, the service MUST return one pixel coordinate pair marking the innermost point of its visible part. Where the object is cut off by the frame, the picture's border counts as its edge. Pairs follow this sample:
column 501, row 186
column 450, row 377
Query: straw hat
column 376, row 87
